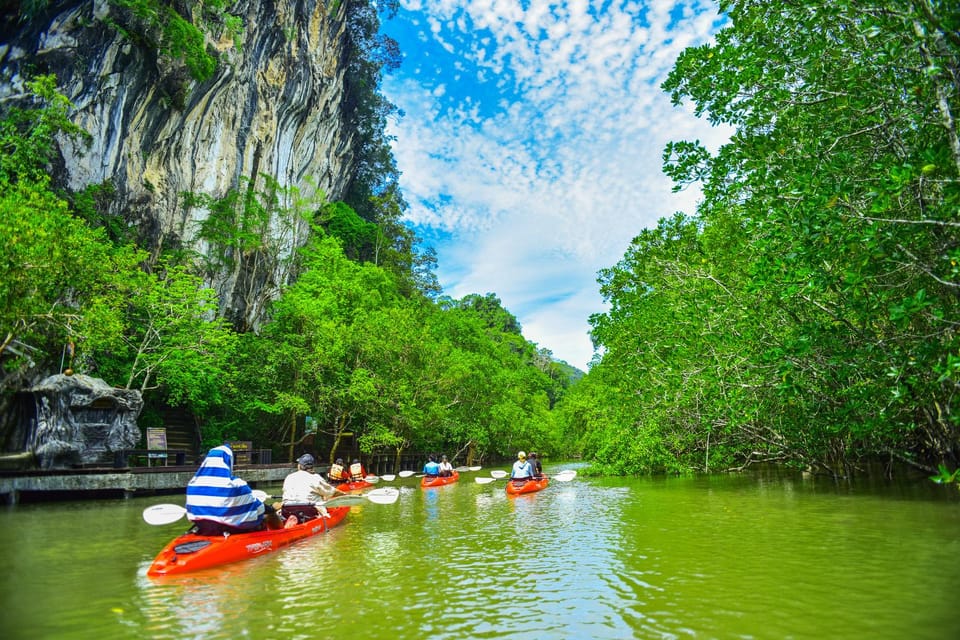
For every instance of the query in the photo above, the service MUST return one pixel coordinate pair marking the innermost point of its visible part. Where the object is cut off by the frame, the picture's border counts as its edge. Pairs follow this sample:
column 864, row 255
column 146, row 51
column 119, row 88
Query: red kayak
column 438, row 481
column 191, row 552
column 515, row 487
column 354, row 485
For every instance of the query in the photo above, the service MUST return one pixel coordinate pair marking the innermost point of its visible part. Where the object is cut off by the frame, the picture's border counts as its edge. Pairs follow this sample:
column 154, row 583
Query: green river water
column 745, row 556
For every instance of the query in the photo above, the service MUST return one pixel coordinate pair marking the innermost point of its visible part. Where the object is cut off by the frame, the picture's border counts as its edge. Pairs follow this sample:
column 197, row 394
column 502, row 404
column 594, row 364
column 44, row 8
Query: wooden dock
column 85, row 484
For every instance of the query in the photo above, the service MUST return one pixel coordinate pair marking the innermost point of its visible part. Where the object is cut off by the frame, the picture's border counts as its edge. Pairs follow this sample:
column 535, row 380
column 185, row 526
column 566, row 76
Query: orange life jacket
column 336, row 472
column 356, row 471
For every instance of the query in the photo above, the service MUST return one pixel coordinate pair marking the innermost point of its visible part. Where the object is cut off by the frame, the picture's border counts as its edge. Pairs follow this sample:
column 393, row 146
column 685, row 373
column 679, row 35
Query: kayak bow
column 190, row 552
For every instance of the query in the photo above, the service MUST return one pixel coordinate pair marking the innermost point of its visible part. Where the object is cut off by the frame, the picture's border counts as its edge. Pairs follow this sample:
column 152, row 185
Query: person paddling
column 446, row 469
column 522, row 470
column 432, row 467
column 219, row 502
column 304, row 492
column 535, row 465
column 357, row 472
column 337, row 473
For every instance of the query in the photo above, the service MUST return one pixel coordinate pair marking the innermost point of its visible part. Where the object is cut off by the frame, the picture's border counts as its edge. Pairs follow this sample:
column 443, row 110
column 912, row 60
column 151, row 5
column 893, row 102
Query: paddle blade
column 475, row 468
column 406, row 474
column 262, row 496
column 384, row 495
column 349, row 500
column 163, row 513
column 499, row 473
column 389, row 477
column 462, row 469
column 565, row 476
column 484, row 480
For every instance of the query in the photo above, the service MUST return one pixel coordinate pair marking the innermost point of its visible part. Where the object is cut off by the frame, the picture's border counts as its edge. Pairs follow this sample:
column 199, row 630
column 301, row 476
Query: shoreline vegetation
column 806, row 314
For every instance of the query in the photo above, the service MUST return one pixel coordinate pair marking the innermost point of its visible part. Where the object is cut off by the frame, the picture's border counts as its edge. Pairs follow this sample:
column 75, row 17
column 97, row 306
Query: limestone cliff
column 273, row 106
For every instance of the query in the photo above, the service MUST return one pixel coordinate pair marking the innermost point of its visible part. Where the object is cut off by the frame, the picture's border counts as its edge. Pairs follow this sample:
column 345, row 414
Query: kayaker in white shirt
column 304, row 487
column 446, row 469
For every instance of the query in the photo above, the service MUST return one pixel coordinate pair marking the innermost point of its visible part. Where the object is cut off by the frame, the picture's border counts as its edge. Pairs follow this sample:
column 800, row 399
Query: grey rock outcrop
column 274, row 106
column 78, row 420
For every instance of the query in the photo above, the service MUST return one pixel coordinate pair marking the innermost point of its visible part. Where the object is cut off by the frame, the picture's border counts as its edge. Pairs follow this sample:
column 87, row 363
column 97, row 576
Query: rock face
column 78, row 419
column 273, row 106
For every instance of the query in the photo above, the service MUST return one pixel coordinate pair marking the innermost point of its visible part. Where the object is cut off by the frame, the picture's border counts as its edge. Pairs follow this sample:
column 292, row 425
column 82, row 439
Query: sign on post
column 156, row 444
column 242, row 450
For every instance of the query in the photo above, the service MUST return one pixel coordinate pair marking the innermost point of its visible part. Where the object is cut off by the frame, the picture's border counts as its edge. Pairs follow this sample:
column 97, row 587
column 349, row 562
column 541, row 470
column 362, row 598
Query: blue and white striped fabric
column 215, row 494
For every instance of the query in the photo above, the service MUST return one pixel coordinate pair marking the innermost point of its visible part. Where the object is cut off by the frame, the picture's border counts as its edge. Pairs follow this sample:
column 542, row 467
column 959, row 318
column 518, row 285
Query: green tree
column 60, row 281
column 70, row 294
column 819, row 327
column 172, row 340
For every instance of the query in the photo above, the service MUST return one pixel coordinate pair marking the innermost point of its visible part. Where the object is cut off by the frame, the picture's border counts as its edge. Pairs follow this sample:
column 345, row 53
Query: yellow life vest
column 356, row 471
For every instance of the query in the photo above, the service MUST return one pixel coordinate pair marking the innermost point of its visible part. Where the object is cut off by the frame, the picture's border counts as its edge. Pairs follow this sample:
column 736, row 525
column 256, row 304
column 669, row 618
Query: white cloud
column 546, row 179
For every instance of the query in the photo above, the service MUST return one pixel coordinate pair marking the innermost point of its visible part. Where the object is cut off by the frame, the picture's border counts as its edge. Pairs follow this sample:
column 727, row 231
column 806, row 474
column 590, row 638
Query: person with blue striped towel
column 218, row 502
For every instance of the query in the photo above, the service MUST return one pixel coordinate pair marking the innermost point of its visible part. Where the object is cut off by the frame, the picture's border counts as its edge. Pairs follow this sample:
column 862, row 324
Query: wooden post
column 293, row 434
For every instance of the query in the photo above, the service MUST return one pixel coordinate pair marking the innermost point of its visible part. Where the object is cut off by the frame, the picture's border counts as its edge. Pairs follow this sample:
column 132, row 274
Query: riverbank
column 85, row 484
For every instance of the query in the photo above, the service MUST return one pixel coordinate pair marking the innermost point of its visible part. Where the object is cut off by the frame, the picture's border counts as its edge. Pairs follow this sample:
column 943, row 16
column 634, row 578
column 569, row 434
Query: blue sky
column 531, row 141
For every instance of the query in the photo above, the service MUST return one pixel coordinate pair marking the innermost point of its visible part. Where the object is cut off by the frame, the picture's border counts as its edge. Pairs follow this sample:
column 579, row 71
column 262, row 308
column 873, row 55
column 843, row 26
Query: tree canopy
column 359, row 339
column 808, row 312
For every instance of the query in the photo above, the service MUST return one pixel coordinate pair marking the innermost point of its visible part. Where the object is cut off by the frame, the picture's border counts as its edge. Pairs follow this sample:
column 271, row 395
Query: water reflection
column 715, row 557
column 193, row 606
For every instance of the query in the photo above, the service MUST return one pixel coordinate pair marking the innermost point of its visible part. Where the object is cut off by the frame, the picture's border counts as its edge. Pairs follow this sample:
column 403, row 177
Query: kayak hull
column 357, row 485
column 190, row 552
column 438, row 481
column 516, row 487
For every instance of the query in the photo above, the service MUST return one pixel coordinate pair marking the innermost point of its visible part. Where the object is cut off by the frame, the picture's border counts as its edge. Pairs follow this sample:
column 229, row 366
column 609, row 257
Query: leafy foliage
column 176, row 36
column 808, row 314
column 67, row 288
column 358, row 335
column 346, row 347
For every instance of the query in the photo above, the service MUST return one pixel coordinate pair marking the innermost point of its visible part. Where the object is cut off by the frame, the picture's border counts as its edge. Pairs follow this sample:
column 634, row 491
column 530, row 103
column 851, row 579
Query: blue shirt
column 521, row 469
column 215, row 494
column 432, row 468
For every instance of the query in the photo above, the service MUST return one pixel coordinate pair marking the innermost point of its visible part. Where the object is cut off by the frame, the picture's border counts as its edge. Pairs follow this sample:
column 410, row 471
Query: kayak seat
column 303, row 512
column 210, row 528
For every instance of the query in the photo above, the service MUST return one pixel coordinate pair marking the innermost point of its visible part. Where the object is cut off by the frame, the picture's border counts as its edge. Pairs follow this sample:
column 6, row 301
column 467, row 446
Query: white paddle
column 383, row 495
column 408, row 474
column 163, row 513
column 498, row 474
column 168, row 513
